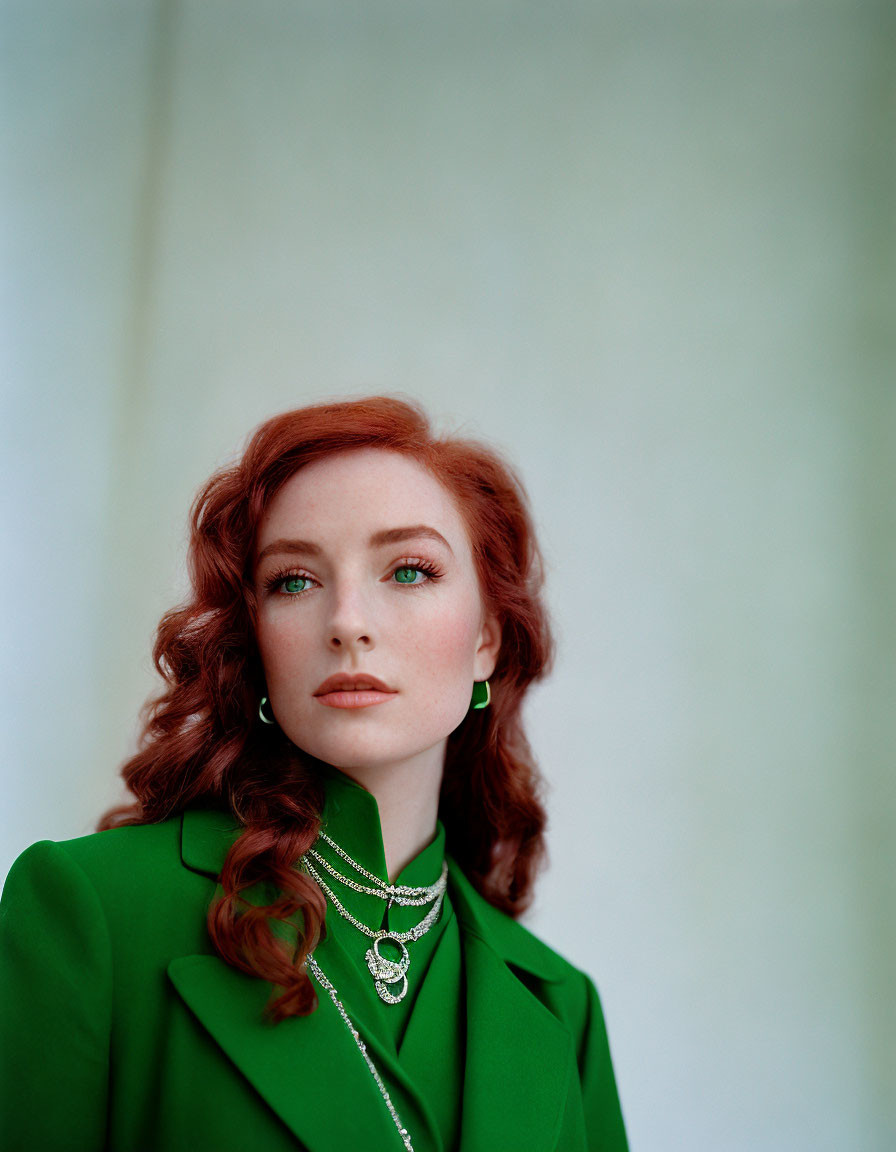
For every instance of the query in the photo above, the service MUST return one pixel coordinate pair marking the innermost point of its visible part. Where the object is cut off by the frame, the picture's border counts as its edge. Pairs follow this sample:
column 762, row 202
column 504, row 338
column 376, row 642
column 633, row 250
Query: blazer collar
column 520, row 1059
column 207, row 836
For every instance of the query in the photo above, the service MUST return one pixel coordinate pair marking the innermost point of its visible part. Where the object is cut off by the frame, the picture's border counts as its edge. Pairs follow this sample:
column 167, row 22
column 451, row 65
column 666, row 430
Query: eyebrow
column 377, row 540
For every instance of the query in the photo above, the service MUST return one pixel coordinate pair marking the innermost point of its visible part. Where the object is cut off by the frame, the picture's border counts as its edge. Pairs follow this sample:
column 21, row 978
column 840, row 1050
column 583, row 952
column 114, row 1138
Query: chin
column 348, row 752
column 356, row 754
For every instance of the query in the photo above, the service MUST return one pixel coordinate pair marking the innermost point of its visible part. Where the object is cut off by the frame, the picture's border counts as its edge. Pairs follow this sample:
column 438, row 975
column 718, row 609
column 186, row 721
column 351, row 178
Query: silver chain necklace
column 362, row 1048
column 393, row 891
column 383, row 970
column 395, row 894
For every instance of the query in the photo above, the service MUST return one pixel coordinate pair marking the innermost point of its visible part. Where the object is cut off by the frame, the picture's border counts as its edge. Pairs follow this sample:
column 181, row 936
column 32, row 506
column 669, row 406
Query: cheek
column 445, row 646
column 278, row 640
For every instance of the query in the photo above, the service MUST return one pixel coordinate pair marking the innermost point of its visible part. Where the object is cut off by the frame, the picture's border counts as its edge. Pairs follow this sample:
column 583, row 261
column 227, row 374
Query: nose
column 349, row 624
column 339, row 641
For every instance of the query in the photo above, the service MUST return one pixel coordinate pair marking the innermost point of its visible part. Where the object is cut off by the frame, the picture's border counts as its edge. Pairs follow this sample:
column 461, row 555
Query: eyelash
column 273, row 582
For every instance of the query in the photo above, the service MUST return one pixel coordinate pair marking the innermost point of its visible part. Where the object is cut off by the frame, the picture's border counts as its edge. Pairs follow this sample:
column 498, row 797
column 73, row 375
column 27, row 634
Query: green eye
column 290, row 584
column 406, row 575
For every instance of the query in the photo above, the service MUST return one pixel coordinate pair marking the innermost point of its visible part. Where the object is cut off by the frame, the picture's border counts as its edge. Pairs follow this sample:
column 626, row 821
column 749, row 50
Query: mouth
column 344, row 683
column 354, row 698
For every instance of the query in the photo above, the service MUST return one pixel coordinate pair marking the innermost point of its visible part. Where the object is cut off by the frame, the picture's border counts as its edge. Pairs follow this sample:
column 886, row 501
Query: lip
column 360, row 698
column 347, row 682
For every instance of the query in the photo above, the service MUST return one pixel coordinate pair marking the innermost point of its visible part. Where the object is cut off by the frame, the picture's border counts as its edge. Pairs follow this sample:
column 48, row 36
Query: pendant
column 385, row 971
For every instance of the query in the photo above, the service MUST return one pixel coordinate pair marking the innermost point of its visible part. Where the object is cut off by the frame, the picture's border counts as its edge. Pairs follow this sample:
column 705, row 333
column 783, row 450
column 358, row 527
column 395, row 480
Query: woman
column 302, row 933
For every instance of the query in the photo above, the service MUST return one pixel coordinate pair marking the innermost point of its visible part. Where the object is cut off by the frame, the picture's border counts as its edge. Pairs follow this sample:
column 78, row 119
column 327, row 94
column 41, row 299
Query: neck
column 407, row 796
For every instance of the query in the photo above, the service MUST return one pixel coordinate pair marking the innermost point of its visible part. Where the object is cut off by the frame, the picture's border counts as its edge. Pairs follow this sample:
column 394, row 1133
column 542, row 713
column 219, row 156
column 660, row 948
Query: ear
column 488, row 647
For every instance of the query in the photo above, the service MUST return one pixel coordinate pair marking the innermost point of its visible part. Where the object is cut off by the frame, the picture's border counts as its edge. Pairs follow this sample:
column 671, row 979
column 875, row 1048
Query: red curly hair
column 202, row 744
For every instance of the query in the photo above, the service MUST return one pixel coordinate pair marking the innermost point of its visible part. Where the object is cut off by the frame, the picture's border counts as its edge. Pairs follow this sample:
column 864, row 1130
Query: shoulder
column 102, row 850
column 567, row 989
column 114, row 863
column 124, row 892
column 559, row 982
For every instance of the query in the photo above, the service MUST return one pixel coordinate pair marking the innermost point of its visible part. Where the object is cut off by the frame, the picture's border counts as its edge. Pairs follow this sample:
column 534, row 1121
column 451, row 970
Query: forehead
column 361, row 490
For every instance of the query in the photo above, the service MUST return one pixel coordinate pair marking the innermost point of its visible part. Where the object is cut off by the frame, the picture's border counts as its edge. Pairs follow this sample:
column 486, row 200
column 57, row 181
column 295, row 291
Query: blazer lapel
column 520, row 1061
column 308, row 1069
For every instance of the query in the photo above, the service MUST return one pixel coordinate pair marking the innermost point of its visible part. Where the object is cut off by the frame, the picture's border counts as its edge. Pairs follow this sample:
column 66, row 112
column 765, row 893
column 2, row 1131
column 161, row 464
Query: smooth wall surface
column 647, row 249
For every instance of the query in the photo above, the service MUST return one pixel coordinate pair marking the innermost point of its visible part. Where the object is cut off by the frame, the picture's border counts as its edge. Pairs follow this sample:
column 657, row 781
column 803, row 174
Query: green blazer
column 121, row 1028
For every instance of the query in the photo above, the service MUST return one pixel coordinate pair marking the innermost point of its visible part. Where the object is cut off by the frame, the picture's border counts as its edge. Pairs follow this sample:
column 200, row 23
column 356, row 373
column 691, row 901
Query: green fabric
column 121, row 1028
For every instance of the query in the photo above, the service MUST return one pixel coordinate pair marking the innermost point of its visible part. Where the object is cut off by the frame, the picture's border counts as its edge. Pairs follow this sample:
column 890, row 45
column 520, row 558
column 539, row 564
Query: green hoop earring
column 482, row 694
column 264, row 719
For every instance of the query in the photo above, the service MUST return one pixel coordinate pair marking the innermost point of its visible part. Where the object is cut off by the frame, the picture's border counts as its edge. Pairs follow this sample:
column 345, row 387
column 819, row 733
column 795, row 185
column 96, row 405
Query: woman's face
column 363, row 566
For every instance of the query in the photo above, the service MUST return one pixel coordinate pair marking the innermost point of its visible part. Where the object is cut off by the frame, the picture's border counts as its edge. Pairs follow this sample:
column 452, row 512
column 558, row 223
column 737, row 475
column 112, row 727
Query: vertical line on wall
column 126, row 502
column 150, row 192
column 872, row 415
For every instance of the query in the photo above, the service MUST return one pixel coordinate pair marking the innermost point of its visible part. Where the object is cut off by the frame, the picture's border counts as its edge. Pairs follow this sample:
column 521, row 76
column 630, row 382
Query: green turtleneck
column 424, row 1033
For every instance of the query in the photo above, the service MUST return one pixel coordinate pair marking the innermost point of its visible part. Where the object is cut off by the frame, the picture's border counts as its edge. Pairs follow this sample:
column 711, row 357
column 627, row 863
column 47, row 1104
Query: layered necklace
column 384, row 971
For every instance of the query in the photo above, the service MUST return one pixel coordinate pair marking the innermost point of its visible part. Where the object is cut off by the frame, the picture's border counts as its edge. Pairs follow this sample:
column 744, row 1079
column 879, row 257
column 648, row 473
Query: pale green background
column 648, row 249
